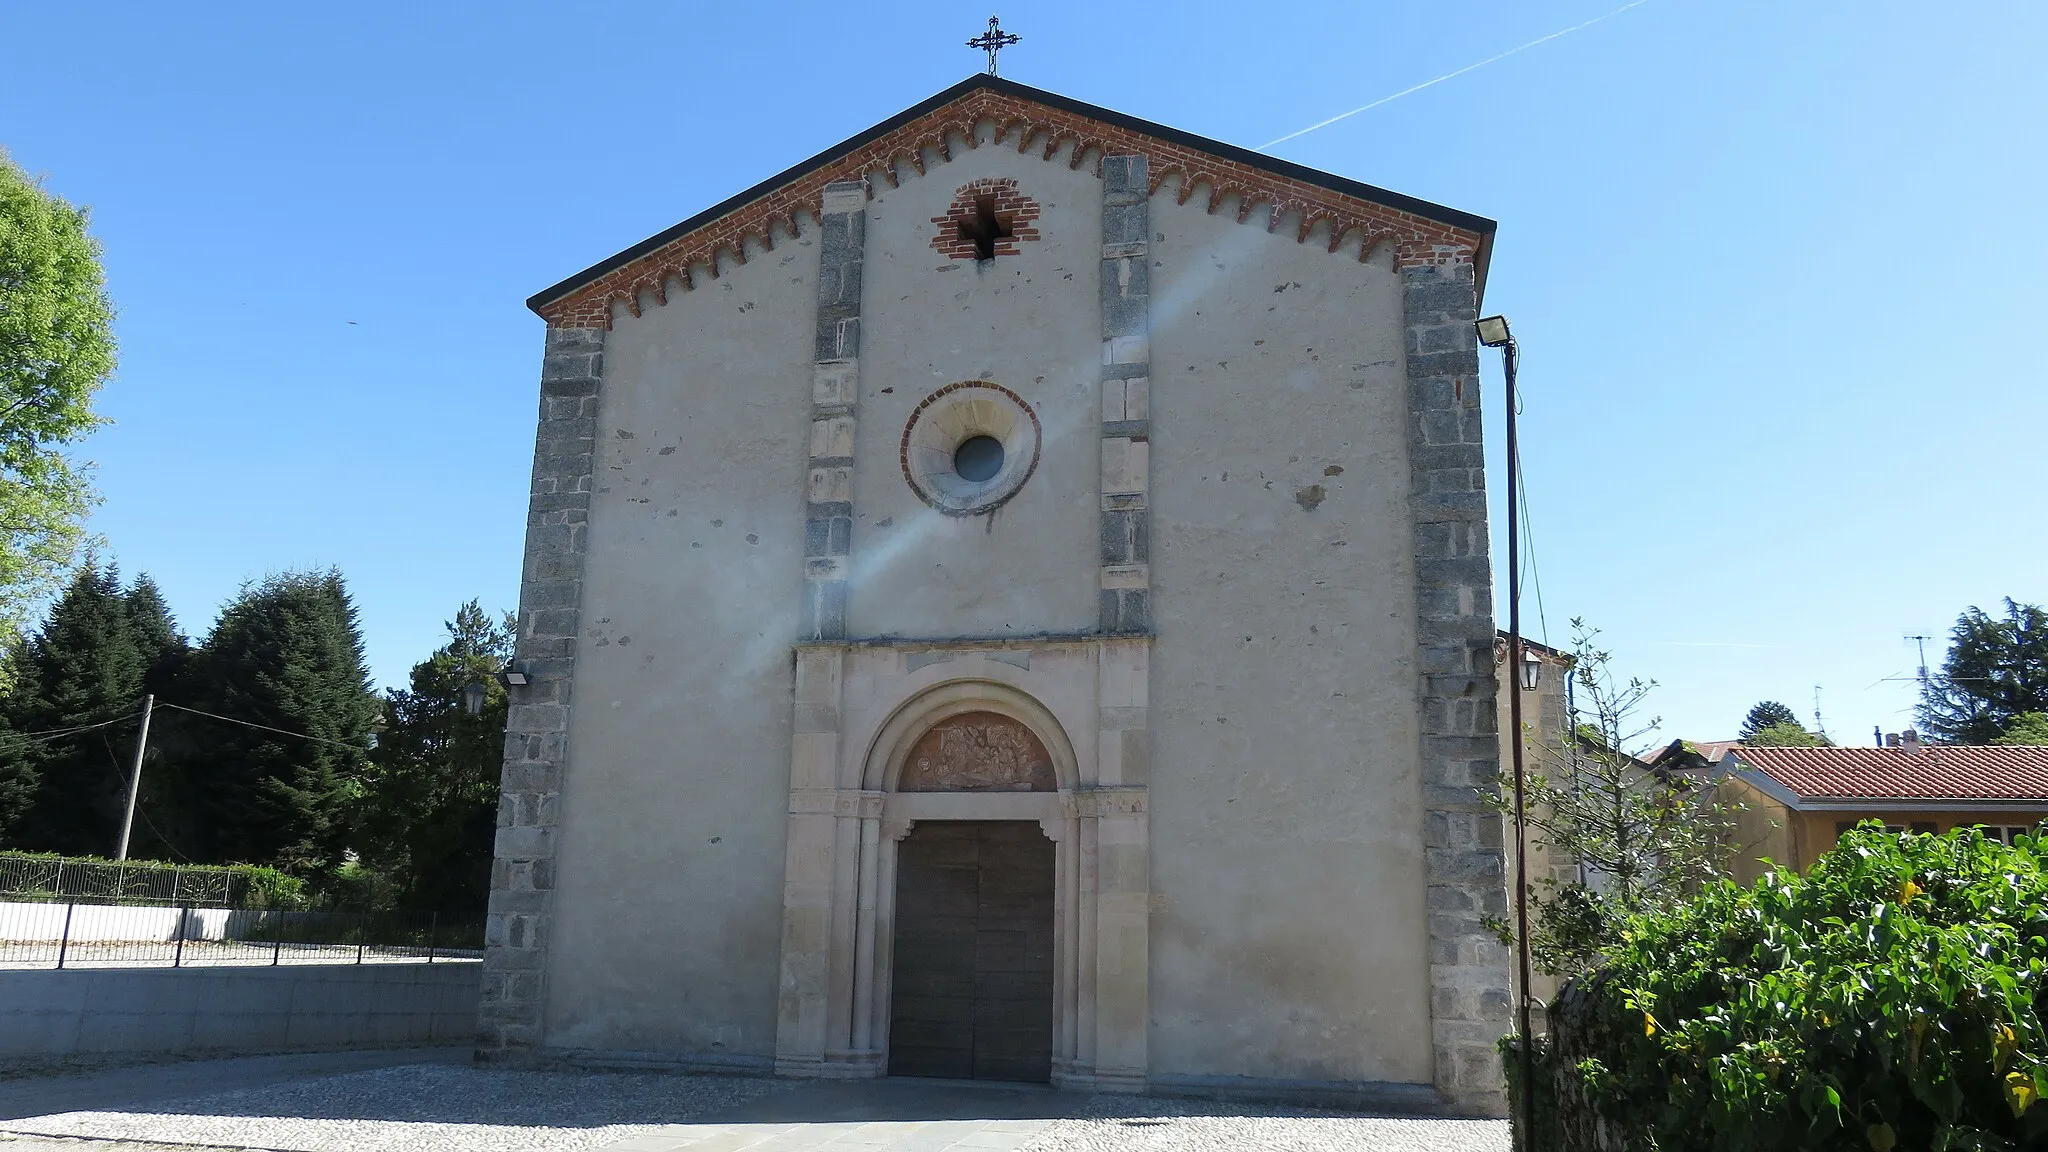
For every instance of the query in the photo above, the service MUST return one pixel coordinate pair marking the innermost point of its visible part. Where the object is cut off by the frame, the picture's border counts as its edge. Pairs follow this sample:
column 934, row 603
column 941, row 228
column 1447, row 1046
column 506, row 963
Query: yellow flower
column 1881, row 1137
column 1649, row 1024
column 2020, row 1092
column 1907, row 891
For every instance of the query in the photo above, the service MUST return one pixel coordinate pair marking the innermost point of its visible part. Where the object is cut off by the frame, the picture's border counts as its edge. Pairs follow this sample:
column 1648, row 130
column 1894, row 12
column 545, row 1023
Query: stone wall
column 1470, row 1003
column 537, row 726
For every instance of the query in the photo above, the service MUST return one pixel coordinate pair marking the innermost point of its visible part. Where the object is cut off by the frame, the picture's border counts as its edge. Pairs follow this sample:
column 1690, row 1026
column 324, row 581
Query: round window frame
column 951, row 416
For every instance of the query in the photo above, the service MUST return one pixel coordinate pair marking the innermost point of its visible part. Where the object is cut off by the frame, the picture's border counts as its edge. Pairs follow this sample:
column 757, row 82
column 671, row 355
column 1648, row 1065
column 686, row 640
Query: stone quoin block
column 536, row 745
column 1465, row 860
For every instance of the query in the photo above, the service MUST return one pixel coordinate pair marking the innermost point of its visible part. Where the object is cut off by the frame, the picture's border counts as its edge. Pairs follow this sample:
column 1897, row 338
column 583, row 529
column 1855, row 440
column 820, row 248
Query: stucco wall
column 668, row 911
column 1029, row 322
column 1288, row 934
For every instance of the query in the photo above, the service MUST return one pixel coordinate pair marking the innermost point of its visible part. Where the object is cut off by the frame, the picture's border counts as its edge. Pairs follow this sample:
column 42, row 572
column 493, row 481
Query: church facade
column 1009, row 597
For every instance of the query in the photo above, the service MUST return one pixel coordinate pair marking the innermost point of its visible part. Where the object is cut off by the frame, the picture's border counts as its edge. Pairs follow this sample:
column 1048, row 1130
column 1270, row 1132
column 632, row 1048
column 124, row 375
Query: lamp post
column 1493, row 332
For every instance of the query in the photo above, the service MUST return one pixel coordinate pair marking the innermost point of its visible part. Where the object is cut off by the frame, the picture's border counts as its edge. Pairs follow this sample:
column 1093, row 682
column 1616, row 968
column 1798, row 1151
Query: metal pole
column 64, row 941
column 1509, row 354
column 178, row 959
column 433, row 934
column 135, row 776
column 277, row 937
column 362, row 933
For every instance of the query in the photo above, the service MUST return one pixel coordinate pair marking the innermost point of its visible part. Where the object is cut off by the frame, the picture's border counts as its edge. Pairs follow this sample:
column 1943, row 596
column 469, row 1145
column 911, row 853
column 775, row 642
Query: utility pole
column 135, row 776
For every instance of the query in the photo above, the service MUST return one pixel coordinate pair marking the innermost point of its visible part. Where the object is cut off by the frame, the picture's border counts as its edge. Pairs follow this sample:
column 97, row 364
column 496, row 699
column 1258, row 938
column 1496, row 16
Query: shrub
column 46, row 876
column 1891, row 998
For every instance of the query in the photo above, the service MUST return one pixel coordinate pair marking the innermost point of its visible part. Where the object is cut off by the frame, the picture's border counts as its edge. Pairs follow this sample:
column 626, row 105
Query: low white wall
column 102, row 923
column 47, row 1016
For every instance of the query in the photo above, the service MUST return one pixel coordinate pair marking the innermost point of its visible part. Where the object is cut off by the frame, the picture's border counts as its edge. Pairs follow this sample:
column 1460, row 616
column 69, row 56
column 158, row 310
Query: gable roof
column 1929, row 772
column 723, row 230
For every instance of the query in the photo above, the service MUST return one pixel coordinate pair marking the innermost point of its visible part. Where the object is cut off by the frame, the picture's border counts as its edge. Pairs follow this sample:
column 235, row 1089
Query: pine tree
column 286, row 654
column 84, row 667
column 1996, row 670
column 18, row 775
column 430, row 809
column 1768, row 714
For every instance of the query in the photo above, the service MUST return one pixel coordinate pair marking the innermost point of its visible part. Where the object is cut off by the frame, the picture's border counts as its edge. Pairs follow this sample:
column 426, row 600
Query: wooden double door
column 972, row 986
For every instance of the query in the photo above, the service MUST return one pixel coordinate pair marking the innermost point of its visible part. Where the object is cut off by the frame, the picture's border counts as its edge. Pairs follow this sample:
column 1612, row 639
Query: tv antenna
column 1921, row 641
column 1818, row 726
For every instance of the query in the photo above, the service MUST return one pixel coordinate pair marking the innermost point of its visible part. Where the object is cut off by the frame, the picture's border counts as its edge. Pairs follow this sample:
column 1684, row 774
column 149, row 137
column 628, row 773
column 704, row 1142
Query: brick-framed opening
column 964, row 231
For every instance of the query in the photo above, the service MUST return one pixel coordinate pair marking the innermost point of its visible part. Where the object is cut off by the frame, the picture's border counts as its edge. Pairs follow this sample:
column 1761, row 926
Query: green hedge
column 45, row 876
column 1892, row 998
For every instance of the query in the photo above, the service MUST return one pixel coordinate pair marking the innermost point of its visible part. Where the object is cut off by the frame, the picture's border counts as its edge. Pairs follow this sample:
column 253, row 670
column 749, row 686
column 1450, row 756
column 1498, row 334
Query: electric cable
column 264, row 727
column 49, row 734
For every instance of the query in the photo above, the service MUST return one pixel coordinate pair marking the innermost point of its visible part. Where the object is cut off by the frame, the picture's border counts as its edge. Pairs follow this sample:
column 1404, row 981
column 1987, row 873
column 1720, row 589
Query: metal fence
column 133, row 882
column 79, row 934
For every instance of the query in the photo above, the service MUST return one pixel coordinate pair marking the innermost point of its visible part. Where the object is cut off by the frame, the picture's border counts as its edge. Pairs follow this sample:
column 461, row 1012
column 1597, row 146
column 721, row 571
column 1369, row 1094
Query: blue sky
column 1774, row 268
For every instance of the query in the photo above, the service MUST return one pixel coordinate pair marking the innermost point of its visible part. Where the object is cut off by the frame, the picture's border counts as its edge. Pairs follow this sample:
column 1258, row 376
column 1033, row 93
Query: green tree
column 431, row 801
column 1767, row 714
column 2027, row 730
column 86, row 669
column 56, row 349
column 1997, row 668
column 285, row 654
column 1793, row 735
column 1644, row 838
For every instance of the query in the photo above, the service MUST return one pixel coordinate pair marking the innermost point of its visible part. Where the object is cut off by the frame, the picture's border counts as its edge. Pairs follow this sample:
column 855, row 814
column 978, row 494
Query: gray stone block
column 824, row 615
column 579, row 386
column 1123, row 316
column 1124, row 536
column 1125, row 277
column 1134, row 610
column 1129, row 172
column 1125, row 223
column 1430, row 457
column 1464, row 363
column 838, row 336
column 1449, row 505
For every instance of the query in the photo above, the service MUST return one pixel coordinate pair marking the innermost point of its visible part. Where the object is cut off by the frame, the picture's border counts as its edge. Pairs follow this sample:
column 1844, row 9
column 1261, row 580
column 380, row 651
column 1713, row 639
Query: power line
column 50, row 734
column 264, row 727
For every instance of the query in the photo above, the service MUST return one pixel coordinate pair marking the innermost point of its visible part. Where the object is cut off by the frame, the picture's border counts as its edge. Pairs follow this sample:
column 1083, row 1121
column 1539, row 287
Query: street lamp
column 473, row 697
column 1494, row 333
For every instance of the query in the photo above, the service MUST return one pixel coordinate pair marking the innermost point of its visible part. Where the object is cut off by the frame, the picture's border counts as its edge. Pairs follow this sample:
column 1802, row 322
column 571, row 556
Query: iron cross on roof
column 993, row 41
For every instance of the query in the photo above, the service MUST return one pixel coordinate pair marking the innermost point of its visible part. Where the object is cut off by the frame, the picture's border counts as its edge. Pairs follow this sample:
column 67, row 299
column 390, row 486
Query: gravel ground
column 1139, row 1124
column 412, row 1109
column 458, row 1108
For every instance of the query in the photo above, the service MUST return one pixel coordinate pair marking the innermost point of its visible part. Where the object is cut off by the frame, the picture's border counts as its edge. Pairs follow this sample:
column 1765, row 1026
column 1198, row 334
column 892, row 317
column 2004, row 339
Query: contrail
column 1452, row 75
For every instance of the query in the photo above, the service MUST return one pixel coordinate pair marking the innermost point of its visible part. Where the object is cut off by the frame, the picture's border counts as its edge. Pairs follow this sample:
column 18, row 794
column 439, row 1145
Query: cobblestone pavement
column 431, row 1100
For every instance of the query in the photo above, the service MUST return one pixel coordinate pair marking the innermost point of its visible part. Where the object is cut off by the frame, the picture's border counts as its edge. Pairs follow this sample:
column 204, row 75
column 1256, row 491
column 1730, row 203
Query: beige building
column 1009, row 597
column 1798, row 801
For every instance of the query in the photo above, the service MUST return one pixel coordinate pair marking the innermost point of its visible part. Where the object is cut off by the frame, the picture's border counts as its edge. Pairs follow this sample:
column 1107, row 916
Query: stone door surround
column 862, row 710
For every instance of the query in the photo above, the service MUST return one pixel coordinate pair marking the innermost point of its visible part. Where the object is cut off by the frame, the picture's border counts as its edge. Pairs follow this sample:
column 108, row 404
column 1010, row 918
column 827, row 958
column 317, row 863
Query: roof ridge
column 774, row 205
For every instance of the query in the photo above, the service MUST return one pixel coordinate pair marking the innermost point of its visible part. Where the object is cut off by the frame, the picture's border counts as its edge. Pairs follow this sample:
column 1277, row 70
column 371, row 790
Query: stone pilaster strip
column 1470, row 1004
column 835, row 391
column 514, row 988
column 1126, row 580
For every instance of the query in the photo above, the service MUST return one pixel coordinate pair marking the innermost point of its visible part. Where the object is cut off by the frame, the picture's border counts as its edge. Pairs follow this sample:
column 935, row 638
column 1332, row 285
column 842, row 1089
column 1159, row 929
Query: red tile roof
column 1929, row 772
